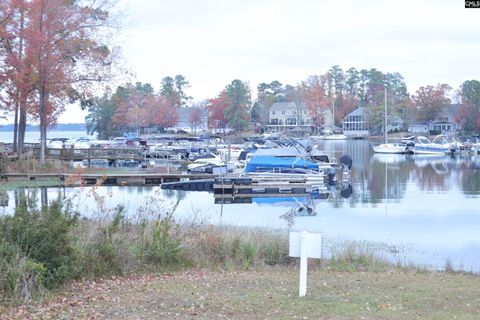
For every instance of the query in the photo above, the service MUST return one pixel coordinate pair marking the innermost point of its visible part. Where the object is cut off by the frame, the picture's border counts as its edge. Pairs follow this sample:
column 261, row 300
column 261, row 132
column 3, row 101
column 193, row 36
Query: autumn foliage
column 52, row 51
column 216, row 110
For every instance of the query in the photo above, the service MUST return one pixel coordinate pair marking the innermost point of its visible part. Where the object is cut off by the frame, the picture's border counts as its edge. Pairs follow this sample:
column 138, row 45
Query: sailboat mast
column 385, row 127
column 333, row 113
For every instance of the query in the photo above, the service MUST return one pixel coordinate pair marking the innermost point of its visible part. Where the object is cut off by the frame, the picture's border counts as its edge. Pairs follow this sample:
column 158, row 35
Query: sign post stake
column 303, row 263
column 305, row 245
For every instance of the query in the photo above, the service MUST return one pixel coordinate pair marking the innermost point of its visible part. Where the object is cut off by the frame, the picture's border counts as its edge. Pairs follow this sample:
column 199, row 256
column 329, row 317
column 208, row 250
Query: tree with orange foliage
column 315, row 95
column 15, row 71
column 430, row 101
column 216, row 111
column 195, row 118
column 165, row 113
column 62, row 49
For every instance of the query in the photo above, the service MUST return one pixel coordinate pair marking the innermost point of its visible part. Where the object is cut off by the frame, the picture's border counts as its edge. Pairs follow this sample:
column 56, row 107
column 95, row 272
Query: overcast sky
column 212, row 42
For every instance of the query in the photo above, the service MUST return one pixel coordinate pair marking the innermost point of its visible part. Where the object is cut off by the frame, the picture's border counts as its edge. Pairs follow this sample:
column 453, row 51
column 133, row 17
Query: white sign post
column 305, row 245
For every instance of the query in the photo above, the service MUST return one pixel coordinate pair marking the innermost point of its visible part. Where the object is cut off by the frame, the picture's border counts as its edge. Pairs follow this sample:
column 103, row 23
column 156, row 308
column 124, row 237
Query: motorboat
column 272, row 167
column 209, row 163
column 439, row 145
column 59, row 143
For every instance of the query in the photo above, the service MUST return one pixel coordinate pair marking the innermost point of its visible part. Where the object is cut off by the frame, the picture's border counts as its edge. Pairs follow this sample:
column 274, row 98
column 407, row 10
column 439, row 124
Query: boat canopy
column 269, row 162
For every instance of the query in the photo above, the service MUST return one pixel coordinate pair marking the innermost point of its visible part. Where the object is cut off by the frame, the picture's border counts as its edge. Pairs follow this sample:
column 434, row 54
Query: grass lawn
column 266, row 293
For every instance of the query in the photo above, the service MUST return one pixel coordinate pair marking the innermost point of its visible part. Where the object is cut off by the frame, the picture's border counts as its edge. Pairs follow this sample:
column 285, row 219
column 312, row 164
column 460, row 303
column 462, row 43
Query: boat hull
column 389, row 149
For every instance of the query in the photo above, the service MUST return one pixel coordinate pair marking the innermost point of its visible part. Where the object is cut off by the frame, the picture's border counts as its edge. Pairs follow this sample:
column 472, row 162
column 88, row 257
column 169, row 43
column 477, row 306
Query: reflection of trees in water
column 174, row 194
column 383, row 180
column 470, row 177
column 428, row 178
column 31, row 197
column 385, row 177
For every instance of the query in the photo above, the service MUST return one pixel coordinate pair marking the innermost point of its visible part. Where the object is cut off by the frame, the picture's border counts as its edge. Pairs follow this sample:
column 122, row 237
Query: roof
column 283, row 106
column 357, row 112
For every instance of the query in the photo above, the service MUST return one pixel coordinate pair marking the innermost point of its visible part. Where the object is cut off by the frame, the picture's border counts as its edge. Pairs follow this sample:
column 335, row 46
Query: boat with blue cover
column 271, row 167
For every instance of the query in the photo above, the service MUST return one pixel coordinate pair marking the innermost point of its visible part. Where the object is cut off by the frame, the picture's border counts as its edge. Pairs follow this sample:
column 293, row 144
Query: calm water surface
column 419, row 209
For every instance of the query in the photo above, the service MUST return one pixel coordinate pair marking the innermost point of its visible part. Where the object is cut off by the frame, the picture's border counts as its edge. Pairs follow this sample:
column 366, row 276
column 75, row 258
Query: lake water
column 419, row 209
column 34, row 136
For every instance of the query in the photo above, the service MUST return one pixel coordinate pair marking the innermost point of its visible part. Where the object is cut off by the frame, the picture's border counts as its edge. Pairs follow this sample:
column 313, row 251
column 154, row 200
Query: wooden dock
column 120, row 179
column 110, row 154
column 255, row 187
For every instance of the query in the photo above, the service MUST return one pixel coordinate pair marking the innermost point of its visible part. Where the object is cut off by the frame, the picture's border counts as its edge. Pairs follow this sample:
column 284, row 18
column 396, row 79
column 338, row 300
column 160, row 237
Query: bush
column 36, row 249
column 105, row 247
column 44, row 236
column 21, row 278
column 161, row 247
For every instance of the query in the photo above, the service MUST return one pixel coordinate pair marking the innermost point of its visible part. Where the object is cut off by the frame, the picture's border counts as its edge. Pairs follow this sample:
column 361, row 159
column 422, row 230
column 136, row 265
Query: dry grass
column 266, row 293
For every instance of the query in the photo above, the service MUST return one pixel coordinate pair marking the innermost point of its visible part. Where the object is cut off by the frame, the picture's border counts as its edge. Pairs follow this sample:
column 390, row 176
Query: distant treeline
column 57, row 127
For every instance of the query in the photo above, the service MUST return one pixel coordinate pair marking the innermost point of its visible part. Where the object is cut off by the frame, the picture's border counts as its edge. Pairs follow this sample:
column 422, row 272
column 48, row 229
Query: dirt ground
column 267, row 293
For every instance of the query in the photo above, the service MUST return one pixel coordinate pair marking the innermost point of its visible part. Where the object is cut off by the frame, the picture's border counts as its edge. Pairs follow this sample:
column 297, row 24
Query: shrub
column 44, row 236
column 101, row 251
column 275, row 252
column 248, row 254
column 21, row 278
column 161, row 246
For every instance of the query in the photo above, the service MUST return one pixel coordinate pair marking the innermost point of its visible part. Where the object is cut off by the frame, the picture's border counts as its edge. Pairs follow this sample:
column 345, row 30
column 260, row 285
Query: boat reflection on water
column 294, row 205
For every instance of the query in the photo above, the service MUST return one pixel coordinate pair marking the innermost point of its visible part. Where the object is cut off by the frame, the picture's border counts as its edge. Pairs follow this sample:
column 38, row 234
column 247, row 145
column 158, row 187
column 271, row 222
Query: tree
column 216, row 111
column 137, row 107
column 469, row 114
column 181, row 84
column 15, row 71
column 315, row 95
column 167, row 90
column 237, row 113
column 195, row 118
column 173, row 89
column 99, row 118
column 63, row 50
column 429, row 101
column 165, row 114
column 268, row 94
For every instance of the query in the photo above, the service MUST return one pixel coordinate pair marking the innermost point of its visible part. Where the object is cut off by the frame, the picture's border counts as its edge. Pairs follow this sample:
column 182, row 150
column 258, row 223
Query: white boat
column 439, row 145
column 392, row 148
column 389, row 147
column 209, row 163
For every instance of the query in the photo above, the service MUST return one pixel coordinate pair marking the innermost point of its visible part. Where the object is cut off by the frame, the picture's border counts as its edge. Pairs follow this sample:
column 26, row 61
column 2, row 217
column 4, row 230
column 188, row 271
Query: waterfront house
column 419, row 128
column 185, row 123
column 355, row 124
column 288, row 116
column 445, row 123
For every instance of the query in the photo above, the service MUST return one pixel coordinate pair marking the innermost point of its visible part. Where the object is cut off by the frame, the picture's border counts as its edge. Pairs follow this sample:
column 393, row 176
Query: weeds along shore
column 44, row 248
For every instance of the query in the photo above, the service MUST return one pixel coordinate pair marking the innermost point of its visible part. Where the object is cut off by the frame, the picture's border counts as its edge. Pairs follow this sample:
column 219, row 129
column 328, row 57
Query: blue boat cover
column 276, row 162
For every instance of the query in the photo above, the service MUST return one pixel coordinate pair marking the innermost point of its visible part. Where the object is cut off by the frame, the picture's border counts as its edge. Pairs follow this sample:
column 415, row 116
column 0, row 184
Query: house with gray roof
column 445, row 123
column 287, row 116
column 355, row 124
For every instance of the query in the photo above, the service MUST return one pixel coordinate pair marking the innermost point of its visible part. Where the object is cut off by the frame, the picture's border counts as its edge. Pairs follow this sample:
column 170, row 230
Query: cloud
column 212, row 42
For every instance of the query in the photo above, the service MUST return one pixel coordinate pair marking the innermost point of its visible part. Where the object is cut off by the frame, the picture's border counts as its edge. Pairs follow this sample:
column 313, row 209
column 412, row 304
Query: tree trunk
column 43, row 123
column 22, row 126
column 15, row 124
column 17, row 102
